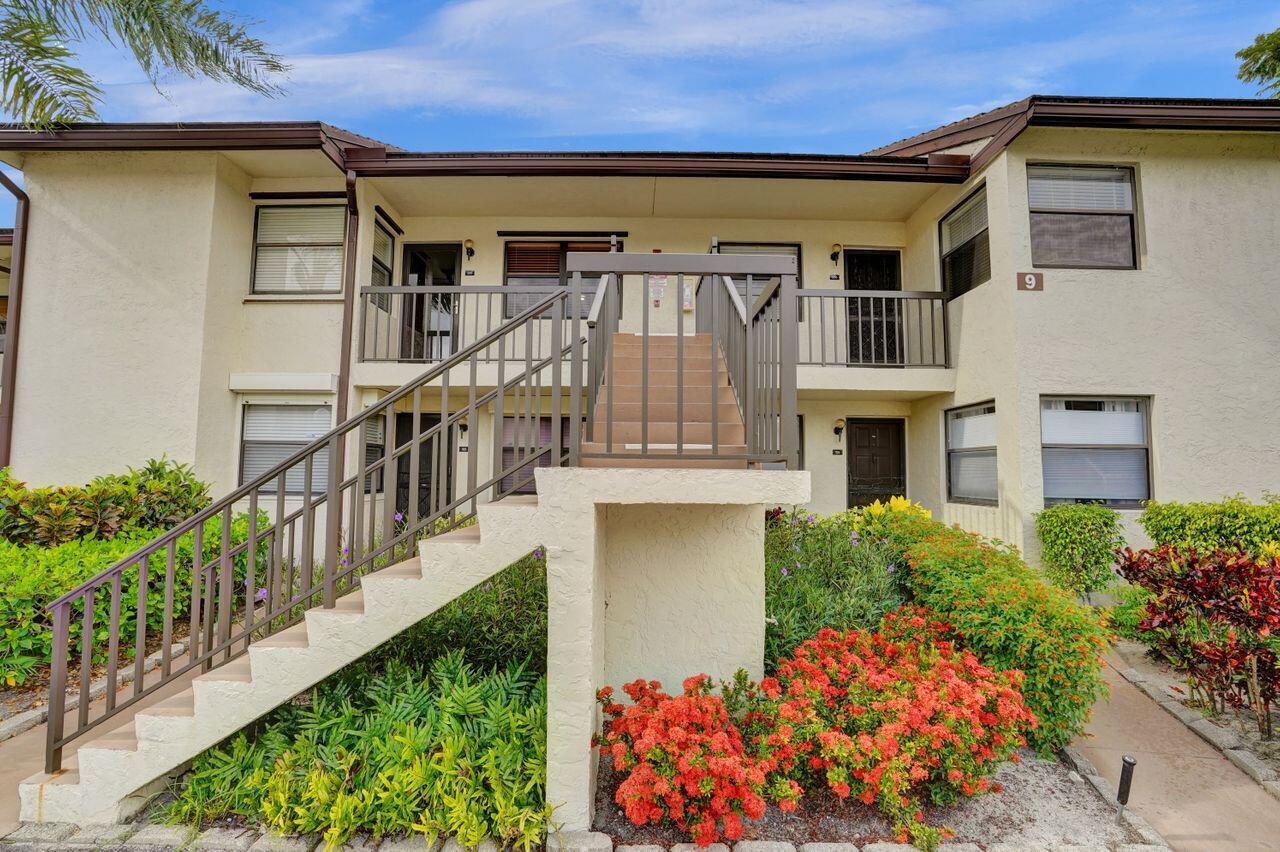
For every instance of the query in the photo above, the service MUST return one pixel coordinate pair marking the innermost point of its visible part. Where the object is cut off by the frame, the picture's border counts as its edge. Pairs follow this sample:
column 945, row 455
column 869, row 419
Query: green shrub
column 503, row 619
column 1004, row 613
column 158, row 495
column 1209, row 526
column 1078, row 542
column 438, row 750
column 32, row 577
column 821, row 572
column 1129, row 609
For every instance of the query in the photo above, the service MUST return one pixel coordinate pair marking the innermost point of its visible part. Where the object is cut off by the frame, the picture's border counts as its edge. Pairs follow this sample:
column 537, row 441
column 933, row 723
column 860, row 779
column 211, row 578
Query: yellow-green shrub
column 1209, row 526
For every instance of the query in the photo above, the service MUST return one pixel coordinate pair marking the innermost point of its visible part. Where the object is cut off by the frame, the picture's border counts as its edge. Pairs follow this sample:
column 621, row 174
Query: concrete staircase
column 703, row 392
column 106, row 779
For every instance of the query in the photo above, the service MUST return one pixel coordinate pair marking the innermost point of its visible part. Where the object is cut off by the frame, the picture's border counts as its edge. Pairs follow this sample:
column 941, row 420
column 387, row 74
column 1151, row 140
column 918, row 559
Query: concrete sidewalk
column 1189, row 792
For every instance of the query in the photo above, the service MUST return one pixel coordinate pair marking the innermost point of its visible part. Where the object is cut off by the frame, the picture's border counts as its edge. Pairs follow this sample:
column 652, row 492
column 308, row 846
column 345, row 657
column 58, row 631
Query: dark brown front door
column 877, row 460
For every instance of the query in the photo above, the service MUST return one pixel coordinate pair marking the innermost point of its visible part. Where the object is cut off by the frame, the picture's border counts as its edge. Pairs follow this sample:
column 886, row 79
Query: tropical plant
column 1078, row 543
column 1215, row 615
column 442, row 750
column 42, row 84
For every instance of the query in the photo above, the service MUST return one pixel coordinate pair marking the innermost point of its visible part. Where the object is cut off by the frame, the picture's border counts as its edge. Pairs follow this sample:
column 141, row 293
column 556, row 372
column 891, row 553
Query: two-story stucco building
column 1061, row 299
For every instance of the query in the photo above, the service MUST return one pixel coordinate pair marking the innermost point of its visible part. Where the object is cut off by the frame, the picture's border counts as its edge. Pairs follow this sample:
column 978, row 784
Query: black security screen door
column 433, row 491
column 873, row 322
column 877, row 460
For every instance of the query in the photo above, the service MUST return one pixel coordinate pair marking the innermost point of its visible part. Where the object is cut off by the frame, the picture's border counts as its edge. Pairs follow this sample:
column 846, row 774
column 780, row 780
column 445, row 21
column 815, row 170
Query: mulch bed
column 1043, row 803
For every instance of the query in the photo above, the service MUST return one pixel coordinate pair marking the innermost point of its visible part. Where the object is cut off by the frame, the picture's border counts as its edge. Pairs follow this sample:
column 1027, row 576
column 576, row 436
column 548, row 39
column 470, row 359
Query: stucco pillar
column 650, row 573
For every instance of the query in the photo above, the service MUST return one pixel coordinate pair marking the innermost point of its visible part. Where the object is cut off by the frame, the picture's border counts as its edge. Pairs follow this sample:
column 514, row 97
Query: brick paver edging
column 1225, row 741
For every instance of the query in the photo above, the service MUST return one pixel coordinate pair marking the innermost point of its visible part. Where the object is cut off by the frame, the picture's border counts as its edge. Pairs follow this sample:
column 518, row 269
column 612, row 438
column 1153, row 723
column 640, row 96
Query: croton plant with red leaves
column 891, row 718
column 1214, row 615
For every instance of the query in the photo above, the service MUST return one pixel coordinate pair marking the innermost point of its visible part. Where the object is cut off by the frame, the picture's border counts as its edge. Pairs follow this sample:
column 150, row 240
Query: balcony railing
column 427, row 324
column 872, row 328
column 837, row 328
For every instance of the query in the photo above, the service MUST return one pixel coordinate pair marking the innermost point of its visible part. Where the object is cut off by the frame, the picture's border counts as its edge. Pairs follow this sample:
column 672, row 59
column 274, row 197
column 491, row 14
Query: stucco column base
column 650, row 573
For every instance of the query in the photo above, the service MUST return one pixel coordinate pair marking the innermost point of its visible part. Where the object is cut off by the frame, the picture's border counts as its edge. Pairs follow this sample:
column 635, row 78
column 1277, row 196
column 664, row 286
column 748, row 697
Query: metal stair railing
column 302, row 533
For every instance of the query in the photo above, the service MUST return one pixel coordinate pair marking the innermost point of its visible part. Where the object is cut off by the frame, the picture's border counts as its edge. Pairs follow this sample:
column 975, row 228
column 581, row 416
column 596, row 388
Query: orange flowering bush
column 894, row 717
column 891, row 718
column 685, row 759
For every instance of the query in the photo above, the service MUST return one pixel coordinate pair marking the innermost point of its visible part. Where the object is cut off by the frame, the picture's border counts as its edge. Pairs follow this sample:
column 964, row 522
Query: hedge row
column 1209, row 526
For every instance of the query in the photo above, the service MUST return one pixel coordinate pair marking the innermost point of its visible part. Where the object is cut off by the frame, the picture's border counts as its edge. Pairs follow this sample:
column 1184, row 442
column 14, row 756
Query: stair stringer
column 102, row 782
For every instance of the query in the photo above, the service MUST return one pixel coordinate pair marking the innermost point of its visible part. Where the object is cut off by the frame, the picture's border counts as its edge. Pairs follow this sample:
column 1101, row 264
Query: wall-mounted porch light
column 836, row 248
column 469, row 247
column 838, row 427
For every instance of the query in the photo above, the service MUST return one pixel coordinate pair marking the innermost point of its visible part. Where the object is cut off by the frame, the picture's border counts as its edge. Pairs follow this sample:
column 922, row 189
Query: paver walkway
column 1189, row 792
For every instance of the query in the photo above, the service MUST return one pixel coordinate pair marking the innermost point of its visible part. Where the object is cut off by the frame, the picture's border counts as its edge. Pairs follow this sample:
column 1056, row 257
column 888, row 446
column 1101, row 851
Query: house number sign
column 1031, row 281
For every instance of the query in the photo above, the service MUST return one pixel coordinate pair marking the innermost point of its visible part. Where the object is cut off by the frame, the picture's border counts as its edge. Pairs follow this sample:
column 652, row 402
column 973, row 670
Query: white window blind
column 965, row 222
column 1082, row 216
column 1095, row 450
column 971, row 454
column 1080, row 188
column 299, row 249
column 522, row 438
column 383, row 262
column 272, row 433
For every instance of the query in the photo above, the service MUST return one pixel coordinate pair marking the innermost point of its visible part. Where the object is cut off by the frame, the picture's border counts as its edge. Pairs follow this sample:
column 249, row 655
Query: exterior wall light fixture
column 836, row 248
column 469, row 247
column 838, row 428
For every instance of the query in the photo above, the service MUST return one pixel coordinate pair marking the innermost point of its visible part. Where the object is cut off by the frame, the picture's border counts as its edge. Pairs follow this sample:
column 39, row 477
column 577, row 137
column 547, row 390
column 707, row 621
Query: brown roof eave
column 1263, row 117
column 661, row 166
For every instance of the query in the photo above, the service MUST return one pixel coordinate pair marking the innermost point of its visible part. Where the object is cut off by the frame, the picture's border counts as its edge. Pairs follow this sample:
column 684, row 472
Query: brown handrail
column 873, row 328
column 371, row 517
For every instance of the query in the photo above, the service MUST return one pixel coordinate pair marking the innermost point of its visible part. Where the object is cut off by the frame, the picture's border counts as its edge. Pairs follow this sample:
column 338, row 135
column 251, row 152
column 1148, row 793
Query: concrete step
column 667, row 393
column 666, row 378
column 693, row 364
column 624, row 456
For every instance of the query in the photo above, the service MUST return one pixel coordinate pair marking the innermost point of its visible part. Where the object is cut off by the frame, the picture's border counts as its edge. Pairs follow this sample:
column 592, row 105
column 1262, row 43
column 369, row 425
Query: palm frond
column 38, row 84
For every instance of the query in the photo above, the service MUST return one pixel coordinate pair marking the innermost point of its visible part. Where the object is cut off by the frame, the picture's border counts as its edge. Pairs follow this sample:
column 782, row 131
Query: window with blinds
column 1082, row 216
column 383, row 262
column 971, row 454
column 1095, row 450
column 521, row 438
column 759, row 283
column 272, row 433
column 299, row 249
column 534, row 270
column 966, row 251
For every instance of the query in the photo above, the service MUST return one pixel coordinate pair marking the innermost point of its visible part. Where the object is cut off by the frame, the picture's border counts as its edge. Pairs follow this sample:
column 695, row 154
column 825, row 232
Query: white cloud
column 684, row 71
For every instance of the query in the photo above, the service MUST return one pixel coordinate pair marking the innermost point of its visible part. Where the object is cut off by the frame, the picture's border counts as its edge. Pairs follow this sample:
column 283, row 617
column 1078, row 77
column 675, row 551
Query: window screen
column 1095, row 450
column 1082, row 216
column 534, row 270
column 966, row 252
column 971, row 454
column 299, row 249
column 272, row 433
column 759, row 282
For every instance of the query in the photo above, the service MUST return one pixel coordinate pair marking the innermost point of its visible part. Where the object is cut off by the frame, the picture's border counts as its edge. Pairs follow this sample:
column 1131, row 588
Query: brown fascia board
column 293, row 135
column 1004, row 124
column 659, row 164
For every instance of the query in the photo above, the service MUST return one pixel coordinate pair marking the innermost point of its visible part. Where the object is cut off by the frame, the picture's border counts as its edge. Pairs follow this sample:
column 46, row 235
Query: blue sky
column 836, row 76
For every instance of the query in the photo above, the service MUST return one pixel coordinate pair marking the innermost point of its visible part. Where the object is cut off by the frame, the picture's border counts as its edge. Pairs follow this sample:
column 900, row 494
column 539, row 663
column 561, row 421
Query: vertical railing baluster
column 276, row 588
column 166, row 631
column 556, row 400
column 415, row 455
column 57, row 687
column 197, row 593
column 332, row 521
column 473, row 428
column 680, row 362
column 140, row 626
column 390, row 483
column 499, row 425
column 306, row 570
column 575, row 370
column 250, row 564
column 717, row 283
column 644, row 368
column 226, row 588
column 86, row 657
column 113, row 641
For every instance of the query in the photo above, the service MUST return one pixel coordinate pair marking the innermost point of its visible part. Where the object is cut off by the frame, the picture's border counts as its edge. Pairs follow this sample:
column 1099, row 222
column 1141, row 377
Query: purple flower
column 892, row 568
column 810, row 518
column 796, row 548
column 853, row 538
column 537, row 553
column 260, row 596
column 784, row 571
column 399, row 516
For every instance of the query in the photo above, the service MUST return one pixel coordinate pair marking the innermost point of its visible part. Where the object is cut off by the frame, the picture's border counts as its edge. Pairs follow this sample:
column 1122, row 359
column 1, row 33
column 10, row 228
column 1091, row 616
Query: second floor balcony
column 424, row 324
